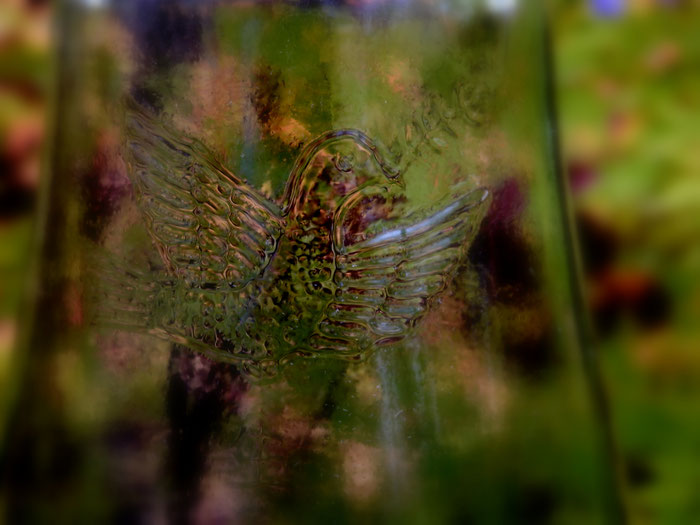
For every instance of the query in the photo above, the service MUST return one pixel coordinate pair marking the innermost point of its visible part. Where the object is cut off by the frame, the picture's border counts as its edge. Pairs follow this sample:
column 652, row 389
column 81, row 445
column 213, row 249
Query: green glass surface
column 306, row 263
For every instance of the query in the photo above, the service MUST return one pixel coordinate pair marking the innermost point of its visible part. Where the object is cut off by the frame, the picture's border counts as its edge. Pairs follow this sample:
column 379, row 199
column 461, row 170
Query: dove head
column 331, row 167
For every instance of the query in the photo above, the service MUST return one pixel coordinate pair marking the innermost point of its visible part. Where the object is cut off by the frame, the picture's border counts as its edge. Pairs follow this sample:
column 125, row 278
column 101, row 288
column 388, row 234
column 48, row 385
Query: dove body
column 337, row 268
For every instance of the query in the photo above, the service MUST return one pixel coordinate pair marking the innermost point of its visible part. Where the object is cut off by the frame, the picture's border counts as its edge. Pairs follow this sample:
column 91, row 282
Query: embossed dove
column 335, row 270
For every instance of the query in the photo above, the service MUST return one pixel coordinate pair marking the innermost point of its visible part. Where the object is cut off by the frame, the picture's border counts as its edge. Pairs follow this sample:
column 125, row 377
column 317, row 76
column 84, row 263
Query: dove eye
column 344, row 163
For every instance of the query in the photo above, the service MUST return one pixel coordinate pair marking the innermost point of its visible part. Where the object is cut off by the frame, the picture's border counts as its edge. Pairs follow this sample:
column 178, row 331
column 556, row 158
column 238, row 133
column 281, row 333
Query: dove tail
column 118, row 295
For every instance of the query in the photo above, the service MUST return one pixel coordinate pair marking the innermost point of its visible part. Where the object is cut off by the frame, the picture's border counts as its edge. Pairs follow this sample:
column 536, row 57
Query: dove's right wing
column 385, row 281
column 210, row 227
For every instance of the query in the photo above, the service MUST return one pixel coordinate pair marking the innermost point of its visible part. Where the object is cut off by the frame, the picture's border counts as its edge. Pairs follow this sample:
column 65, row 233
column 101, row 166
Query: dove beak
column 398, row 180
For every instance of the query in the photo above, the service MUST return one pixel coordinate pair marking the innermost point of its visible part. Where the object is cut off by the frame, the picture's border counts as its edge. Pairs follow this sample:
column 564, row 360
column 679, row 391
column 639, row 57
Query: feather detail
column 385, row 282
column 210, row 227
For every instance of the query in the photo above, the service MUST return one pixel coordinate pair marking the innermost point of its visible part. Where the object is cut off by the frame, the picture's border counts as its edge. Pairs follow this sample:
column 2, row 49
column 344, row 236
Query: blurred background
column 628, row 88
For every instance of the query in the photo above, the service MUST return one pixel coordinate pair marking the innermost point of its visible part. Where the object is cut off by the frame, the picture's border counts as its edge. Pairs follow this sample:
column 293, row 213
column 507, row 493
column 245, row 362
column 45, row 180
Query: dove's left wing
column 385, row 281
column 209, row 226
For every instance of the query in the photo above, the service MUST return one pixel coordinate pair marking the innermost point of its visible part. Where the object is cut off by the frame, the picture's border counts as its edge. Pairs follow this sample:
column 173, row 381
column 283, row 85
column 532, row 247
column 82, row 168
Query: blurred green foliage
column 24, row 83
column 629, row 93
